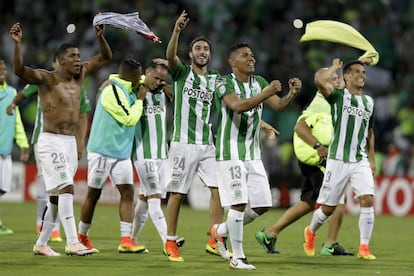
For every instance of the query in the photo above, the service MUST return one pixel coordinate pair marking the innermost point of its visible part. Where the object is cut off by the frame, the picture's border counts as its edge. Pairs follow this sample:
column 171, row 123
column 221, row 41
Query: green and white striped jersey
column 352, row 116
column 238, row 135
column 192, row 96
column 151, row 130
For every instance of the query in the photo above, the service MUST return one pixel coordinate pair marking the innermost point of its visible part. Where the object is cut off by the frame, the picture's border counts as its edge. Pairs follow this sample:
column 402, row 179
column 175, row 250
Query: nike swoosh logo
column 266, row 240
column 330, row 250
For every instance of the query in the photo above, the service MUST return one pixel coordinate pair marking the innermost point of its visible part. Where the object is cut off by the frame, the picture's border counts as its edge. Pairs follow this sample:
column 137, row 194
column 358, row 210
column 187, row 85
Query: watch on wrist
column 317, row 145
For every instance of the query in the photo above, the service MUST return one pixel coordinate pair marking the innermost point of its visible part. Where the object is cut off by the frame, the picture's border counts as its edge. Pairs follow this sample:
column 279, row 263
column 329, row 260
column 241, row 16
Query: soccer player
column 239, row 98
column 59, row 93
column 41, row 193
column 313, row 132
column 192, row 150
column 118, row 110
column 351, row 153
column 11, row 128
column 151, row 152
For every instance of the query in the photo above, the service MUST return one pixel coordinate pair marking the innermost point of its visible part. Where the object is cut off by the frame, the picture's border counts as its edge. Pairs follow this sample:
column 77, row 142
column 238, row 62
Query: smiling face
column 355, row 77
column 242, row 61
column 200, row 53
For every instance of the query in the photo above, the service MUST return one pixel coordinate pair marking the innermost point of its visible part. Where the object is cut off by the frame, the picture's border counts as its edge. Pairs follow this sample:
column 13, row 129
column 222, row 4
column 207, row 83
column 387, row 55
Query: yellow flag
column 338, row 32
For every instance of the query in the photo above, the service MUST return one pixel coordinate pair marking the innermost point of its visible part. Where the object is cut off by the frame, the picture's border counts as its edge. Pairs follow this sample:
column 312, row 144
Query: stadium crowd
column 267, row 26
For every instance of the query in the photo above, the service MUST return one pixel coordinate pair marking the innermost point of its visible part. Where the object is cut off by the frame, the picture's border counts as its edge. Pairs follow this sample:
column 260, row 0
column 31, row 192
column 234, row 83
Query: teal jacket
column 116, row 114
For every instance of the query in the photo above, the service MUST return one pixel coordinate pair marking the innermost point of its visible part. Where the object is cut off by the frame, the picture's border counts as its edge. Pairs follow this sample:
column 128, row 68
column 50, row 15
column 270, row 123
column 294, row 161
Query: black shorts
column 312, row 182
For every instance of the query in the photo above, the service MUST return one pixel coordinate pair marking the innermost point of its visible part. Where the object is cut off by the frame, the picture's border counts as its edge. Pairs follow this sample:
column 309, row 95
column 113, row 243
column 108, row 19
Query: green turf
column 392, row 243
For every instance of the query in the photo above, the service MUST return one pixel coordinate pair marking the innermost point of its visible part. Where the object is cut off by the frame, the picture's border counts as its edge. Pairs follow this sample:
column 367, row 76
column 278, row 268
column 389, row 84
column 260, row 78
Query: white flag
column 129, row 21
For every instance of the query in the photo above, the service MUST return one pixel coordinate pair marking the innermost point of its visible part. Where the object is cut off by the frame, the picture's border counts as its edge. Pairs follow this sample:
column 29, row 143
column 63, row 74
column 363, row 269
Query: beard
column 198, row 64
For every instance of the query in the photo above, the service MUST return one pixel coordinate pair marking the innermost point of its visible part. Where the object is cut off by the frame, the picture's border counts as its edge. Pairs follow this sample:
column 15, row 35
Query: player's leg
column 122, row 176
column 5, row 185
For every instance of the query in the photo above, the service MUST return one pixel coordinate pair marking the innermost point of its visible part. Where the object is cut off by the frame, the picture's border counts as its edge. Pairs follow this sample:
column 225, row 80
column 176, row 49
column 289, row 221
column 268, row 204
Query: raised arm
column 322, row 77
column 104, row 55
column 171, row 53
column 27, row 74
column 280, row 104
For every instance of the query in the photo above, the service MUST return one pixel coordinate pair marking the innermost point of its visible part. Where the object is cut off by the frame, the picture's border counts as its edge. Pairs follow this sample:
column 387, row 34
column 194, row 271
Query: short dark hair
column 154, row 65
column 200, row 38
column 347, row 66
column 235, row 47
column 62, row 49
column 129, row 65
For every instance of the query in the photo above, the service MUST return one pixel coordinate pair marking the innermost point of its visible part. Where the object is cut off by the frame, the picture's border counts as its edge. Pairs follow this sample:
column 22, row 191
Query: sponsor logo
column 355, row 111
column 99, row 172
column 59, row 167
column 154, row 109
column 235, row 185
column 198, row 94
column 176, row 175
column 256, row 108
column 151, row 178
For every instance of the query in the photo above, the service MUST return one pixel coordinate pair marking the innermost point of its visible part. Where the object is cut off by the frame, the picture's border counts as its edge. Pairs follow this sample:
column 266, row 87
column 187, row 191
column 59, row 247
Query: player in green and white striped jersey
column 42, row 196
column 351, row 153
column 192, row 150
column 150, row 153
column 239, row 98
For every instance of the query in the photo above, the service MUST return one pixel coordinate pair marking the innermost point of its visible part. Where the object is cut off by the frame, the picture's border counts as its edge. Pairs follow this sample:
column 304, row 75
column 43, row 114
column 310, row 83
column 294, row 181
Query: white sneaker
column 44, row 250
column 241, row 263
column 221, row 246
column 78, row 249
column 222, row 249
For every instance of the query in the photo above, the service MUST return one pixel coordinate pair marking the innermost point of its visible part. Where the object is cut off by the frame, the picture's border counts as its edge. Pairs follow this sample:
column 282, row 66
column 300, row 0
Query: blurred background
column 267, row 25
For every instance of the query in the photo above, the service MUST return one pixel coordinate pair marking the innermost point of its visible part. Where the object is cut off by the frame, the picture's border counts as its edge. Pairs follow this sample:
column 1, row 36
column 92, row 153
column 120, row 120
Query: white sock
column 140, row 218
column 157, row 216
column 84, row 228
column 42, row 197
column 235, row 227
column 41, row 208
column 318, row 219
column 57, row 224
column 47, row 224
column 249, row 215
column 126, row 229
column 222, row 229
column 366, row 224
column 67, row 217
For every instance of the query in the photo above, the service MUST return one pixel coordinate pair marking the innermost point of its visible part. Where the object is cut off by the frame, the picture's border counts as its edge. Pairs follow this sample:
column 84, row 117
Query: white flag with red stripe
column 129, row 21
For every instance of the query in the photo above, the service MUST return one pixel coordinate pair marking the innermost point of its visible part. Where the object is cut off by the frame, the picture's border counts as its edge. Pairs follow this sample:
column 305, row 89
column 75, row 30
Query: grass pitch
column 392, row 243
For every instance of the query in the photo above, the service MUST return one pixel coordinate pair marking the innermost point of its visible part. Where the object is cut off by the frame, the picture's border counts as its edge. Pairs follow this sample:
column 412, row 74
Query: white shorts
column 151, row 174
column 120, row 171
column 184, row 161
column 339, row 174
column 36, row 156
column 244, row 182
column 5, row 173
column 58, row 158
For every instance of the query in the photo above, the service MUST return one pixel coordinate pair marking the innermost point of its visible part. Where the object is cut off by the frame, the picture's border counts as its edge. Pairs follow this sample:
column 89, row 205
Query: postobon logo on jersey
column 154, row 109
column 354, row 111
column 198, row 94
